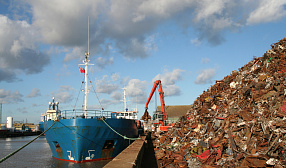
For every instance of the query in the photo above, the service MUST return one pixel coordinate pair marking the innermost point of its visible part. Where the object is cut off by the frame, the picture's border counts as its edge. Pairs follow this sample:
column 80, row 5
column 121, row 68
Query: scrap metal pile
column 238, row 122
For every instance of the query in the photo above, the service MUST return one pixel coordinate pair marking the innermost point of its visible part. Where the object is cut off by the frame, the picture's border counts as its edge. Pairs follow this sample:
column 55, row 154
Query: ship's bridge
column 53, row 113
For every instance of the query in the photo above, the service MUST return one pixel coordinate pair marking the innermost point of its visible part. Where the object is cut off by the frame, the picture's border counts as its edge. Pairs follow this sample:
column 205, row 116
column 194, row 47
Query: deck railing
column 90, row 114
column 78, row 113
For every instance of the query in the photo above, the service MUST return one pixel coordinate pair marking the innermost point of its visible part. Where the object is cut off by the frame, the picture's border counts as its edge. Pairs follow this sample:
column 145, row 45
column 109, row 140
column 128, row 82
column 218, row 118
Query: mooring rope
column 117, row 132
column 11, row 154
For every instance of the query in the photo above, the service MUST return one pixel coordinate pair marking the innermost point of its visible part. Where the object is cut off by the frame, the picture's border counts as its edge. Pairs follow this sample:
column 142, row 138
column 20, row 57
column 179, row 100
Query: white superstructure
column 9, row 122
column 132, row 115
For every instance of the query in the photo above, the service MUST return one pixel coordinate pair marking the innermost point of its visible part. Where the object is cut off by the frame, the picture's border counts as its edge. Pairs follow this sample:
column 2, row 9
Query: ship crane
column 160, row 119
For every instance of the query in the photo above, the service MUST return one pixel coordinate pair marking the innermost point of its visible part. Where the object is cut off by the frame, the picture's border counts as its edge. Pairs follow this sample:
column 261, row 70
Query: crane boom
column 158, row 85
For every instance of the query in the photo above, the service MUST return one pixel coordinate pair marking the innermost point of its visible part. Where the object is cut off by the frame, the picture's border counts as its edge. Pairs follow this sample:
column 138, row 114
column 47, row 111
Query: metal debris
column 238, row 122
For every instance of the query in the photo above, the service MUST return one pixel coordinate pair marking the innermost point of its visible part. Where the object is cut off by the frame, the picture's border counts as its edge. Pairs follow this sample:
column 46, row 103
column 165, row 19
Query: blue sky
column 188, row 45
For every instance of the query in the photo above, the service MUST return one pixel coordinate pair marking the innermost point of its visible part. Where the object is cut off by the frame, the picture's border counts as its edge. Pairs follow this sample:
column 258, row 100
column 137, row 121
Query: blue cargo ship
column 88, row 135
column 81, row 139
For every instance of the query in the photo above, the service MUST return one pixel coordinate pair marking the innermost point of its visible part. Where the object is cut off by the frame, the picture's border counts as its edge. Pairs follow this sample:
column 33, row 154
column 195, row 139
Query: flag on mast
column 82, row 70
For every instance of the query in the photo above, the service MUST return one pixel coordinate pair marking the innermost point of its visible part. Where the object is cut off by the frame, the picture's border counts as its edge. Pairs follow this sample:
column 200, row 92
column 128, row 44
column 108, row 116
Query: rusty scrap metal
column 238, row 122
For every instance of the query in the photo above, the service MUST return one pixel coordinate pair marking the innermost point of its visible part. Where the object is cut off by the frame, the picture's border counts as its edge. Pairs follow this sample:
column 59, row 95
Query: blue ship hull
column 82, row 140
column 41, row 126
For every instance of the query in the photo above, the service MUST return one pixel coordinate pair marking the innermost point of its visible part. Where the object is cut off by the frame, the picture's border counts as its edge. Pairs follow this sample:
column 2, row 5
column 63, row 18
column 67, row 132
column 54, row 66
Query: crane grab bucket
column 146, row 115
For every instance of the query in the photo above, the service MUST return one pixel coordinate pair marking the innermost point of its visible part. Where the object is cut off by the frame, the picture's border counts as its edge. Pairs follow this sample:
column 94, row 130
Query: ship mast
column 86, row 63
column 85, row 83
column 124, row 99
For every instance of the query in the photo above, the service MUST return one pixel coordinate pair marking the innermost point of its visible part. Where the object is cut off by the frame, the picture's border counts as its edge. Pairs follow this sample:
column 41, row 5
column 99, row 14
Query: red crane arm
column 158, row 85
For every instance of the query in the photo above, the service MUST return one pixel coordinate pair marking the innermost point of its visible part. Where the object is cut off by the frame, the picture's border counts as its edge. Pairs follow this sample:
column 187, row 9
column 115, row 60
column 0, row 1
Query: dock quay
column 7, row 134
column 139, row 154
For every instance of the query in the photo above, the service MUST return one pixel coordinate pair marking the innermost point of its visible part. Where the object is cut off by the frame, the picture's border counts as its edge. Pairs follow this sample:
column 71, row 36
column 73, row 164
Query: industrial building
column 175, row 112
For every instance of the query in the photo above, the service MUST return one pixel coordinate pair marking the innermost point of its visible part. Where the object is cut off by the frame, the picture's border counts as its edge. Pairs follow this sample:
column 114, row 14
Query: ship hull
column 84, row 140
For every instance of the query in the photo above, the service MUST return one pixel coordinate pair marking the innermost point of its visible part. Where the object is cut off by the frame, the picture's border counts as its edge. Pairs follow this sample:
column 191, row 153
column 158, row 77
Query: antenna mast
column 88, row 35
column 86, row 63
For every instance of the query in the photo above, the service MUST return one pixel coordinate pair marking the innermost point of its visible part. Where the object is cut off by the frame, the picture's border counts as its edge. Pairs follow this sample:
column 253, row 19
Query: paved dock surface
column 128, row 157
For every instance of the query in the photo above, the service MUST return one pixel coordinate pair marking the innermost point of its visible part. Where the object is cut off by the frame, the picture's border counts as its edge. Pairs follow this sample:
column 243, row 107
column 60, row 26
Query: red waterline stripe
column 83, row 161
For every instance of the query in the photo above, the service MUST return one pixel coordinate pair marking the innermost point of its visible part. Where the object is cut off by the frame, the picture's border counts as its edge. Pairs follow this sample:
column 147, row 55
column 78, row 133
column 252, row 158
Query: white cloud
column 207, row 8
column 34, row 93
column 64, row 22
column 105, row 86
column 136, row 90
column 127, row 24
column 127, row 27
column 172, row 90
column 116, row 96
column 19, row 53
column 205, row 60
column 267, row 11
column 105, row 103
column 75, row 53
column 113, row 86
column 160, row 9
column 115, row 77
column 168, row 80
column 205, row 76
column 7, row 97
column 196, row 41
column 64, row 94
column 102, row 62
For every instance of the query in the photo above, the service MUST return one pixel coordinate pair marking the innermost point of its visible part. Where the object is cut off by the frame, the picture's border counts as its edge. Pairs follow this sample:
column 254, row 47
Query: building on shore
column 175, row 112
column 25, row 126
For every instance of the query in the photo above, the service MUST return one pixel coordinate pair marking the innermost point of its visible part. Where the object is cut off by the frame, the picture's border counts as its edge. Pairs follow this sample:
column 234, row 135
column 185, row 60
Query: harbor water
column 37, row 154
